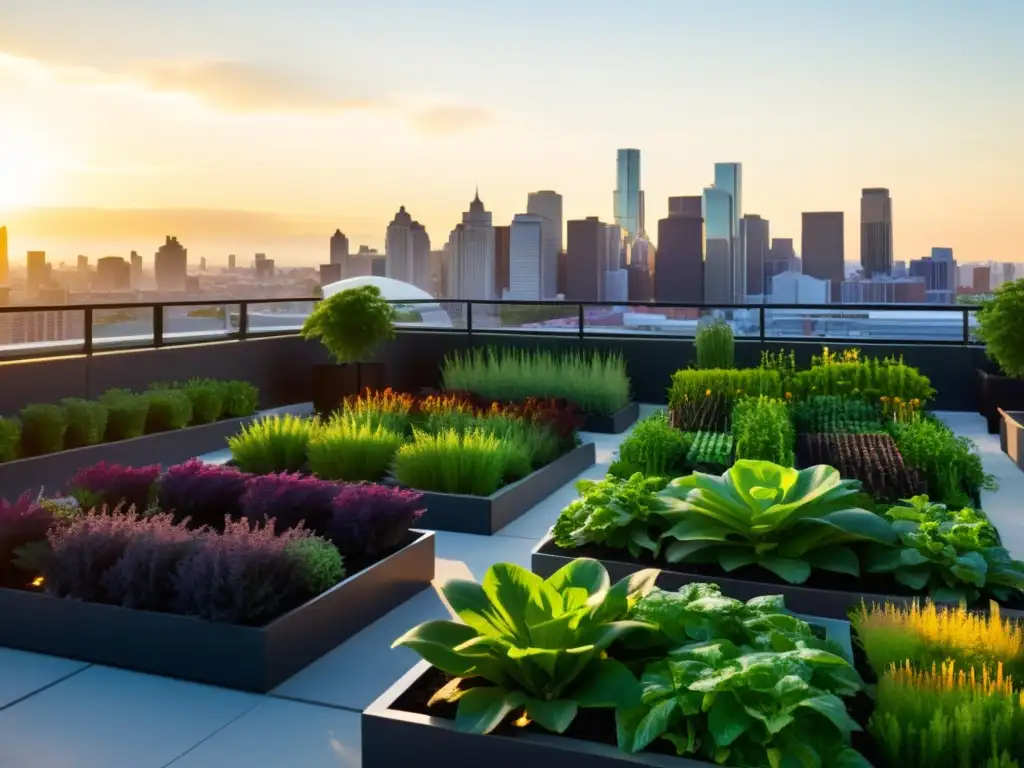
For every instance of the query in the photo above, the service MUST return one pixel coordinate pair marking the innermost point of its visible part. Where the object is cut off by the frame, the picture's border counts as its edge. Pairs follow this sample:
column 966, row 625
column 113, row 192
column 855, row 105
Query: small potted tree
column 350, row 324
column 1001, row 327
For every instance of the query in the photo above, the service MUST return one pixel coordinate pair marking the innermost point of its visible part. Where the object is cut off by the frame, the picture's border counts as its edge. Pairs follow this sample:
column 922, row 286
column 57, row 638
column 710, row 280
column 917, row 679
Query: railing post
column 582, row 319
column 158, row 325
column 760, row 322
column 967, row 326
column 243, row 320
column 87, row 332
column 469, row 318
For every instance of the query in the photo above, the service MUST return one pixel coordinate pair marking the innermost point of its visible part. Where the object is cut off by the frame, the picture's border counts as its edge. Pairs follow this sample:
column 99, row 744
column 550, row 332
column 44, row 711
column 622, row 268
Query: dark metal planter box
column 612, row 425
column 53, row 470
column 997, row 393
column 249, row 658
column 489, row 514
column 1011, row 435
column 546, row 558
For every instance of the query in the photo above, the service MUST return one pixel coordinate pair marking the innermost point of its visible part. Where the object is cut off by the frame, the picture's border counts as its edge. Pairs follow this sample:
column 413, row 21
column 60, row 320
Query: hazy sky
column 332, row 113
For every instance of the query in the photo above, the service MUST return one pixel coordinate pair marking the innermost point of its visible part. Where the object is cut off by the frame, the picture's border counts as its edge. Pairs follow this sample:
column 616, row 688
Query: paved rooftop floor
column 60, row 713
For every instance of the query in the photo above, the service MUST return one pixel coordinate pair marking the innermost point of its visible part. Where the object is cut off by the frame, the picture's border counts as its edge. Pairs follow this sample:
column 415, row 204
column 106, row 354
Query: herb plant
column 653, row 447
column 832, row 414
column 951, row 465
column 86, row 422
column 784, row 520
column 716, row 347
column 539, row 644
column 275, row 443
column 763, row 431
column 1001, row 327
column 42, row 429
column 351, row 323
column 862, row 377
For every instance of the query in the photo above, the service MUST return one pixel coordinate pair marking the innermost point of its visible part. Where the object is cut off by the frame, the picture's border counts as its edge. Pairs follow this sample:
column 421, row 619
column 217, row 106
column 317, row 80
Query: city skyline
column 259, row 139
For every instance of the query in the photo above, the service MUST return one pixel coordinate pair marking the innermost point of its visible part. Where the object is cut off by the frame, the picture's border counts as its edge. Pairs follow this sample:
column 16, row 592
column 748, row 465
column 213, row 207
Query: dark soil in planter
column 870, row 583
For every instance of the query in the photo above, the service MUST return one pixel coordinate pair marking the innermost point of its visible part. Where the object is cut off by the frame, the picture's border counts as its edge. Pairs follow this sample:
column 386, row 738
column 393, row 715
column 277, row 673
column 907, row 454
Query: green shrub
column 126, row 414
column 1001, row 327
column 653, row 447
column 320, row 564
column 240, row 398
column 277, row 443
column 42, row 429
column 762, row 430
column 169, row 409
column 347, row 450
column 207, row 399
column 595, row 383
column 951, row 465
column 351, row 323
column 10, row 439
column 835, row 415
column 693, row 385
column 471, row 463
column 716, row 347
column 87, row 422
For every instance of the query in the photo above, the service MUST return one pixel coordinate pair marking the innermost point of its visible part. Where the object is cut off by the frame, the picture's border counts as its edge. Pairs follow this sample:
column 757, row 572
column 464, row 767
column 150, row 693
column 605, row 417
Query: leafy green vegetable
column 540, row 643
column 953, row 555
column 785, row 520
column 614, row 512
column 710, row 451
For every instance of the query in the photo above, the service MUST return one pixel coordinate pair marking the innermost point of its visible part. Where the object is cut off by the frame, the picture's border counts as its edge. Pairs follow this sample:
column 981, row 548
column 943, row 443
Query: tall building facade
column 718, row 242
column 628, row 198
column 586, row 256
column 135, row 266
column 823, row 249
column 729, row 179
column 756, row 238
column 502, row 245
column 37, row 272
column 471, row 275
column 527, row 242
column 614, row 280
column 113, row 274
column 170, row 265
column 422, row 275
column 680, row 274
column 548, row 205
column 398, row 247
column 5, row 265
column 339, row 251
column 876, row 231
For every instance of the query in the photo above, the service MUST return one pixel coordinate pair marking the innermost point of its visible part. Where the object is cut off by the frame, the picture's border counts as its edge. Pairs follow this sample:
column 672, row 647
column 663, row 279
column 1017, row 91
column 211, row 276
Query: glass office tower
column 718, row 240
column 629, row 198
column 729, row 178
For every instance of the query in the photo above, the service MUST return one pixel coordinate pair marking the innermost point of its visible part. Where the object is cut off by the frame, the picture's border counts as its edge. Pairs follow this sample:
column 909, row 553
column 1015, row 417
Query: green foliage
column 471, row 463
column 126, row 414
column 86, row 420
column 42, row 429
column 615, row 512
column 528, row 445
column 595, row 383
column 951, row 464
column 347, row 450
column 763, row 431
column 320, row 563
column 716, row 347
column 653, row 447
column 832, row 414
column 240, row 398
column 710, row 452
column 953, row 556
column 1001, row 327
column 277, row 443
column 351, row 323
column 785, row 520
column 10, row 439
column 540, row 644
column 692, row 385
column 867, row 378
column 169, row 409
column 207, row 398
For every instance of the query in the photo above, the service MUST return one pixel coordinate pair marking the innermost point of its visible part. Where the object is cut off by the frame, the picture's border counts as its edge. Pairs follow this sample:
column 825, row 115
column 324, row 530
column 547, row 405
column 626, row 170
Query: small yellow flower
column 789, row 395
column 707, row 392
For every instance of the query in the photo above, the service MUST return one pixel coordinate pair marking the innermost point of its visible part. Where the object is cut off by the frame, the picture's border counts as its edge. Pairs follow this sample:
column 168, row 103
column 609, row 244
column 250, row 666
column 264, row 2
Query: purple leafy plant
column 290, row 500
column 202, row 492
column 22, row 522
column 369, row 520
column 111, row 484
column 244, row 576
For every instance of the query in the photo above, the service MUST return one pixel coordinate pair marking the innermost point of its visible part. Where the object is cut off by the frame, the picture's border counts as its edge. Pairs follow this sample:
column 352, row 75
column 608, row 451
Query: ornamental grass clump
column 86, row 422
column 596, row 383
column 472, row 463
column 276, row 443
column 345, row 449
column 42, row 429
column 383, row 408
column 716, row 346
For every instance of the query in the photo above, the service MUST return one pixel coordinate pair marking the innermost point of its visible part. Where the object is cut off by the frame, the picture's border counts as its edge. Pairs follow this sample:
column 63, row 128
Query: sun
column 24, row 167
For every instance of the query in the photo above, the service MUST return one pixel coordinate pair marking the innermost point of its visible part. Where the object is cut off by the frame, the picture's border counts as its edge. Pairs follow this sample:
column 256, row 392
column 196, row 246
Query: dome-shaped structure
column 396, row 291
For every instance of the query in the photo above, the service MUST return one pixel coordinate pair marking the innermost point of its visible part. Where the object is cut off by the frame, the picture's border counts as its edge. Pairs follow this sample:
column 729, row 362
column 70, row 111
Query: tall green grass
column 348, row 450
column 472, row 463
column 274, row 444
column 716, row 346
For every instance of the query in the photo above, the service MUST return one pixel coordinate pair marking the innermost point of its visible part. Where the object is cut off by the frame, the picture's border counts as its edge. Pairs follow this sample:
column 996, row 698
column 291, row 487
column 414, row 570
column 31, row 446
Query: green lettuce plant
column 538, row 643
column 953, row 556
column 785, row 520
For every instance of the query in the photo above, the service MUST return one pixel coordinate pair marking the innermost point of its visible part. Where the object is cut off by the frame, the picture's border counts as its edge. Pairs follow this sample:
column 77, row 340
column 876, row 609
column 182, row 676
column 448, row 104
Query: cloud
column 445, row 120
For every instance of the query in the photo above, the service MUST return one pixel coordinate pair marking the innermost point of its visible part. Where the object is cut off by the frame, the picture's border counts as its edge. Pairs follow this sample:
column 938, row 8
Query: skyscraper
column 170, row 265
column 586, row 256
column 5, row 274
column 339, row 250
column 614, row 282
column 680, row 274
column 548, row 205
column 502, row 244
column 823, row 248
column 718, row 240
column 629, row 198
column 421, row 272
column 113, row 274
column 231, row 262
column 37, row 273
column 875, row 231
column 527, row 242
column 83, row 263
column 135, row 267
column 754, row 233
column 472, row 273
column 729, row 179
column 398, row 247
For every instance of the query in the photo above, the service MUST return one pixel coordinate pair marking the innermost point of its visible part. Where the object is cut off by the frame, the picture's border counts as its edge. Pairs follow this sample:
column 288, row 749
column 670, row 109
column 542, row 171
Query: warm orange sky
column 333, row 114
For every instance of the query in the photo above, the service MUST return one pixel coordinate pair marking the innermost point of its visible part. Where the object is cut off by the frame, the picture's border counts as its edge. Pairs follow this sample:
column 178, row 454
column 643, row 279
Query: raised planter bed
column 546, row 558
column 1011, row 435
column 53, row 470
column 997, row 393
column 249, row 658
column 614, row 424
column 489, row 514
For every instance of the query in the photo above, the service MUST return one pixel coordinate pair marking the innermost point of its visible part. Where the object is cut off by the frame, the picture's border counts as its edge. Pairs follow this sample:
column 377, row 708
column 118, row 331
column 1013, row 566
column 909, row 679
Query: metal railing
column 46, row 331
